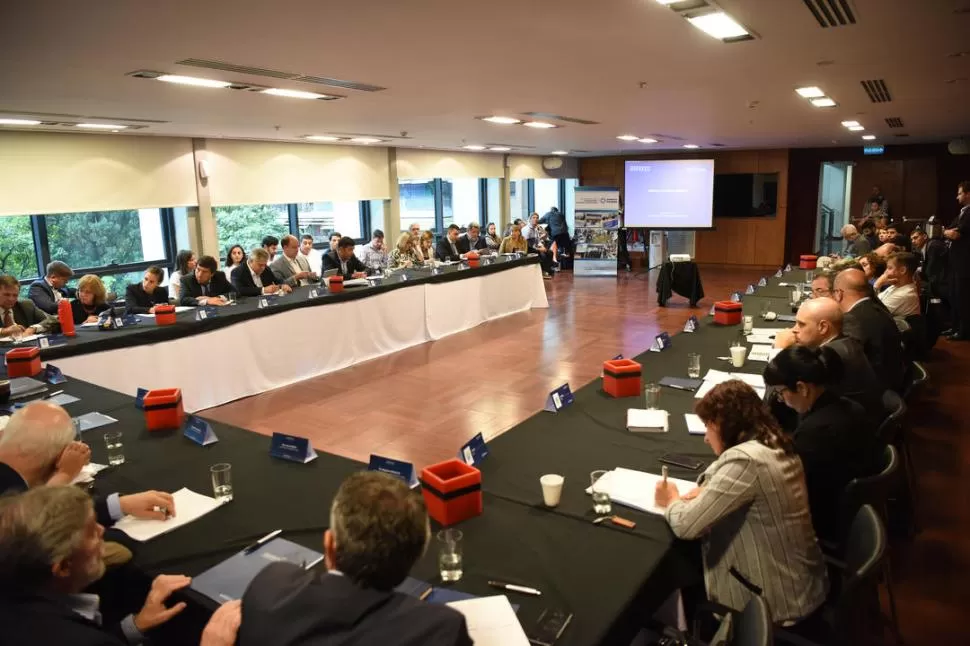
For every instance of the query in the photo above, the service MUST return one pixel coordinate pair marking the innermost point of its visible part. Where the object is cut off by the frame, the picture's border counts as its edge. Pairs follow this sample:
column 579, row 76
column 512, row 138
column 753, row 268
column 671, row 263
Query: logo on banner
column 558, row 399
column 660, row 342
column 692, row 324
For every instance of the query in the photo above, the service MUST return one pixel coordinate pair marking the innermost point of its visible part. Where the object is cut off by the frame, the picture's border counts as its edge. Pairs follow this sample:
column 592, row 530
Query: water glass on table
column 748, row 324
column 651, row 395
column 449, row 555
column 116, row 450
column 222, row 481
column 694, row 365
column 601, row 497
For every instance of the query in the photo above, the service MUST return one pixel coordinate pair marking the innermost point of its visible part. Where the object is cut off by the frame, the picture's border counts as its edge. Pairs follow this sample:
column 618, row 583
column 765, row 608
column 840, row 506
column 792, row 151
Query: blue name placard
column 787, row 267
column 692, row 324
column 736, row 297
column 475, row 451
column 263, row 302
column 292, row 448
column 749, row 290
column 778, row 274
column 314, row 293
column 397, row 468
column 140, row 398
column 558, row 399
column 203, row 313
column 53, row 374
column 763, row 282
column 660, row 342
column 199, row 431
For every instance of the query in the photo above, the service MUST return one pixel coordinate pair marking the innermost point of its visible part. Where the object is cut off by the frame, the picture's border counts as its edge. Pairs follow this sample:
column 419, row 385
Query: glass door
column 835, row 186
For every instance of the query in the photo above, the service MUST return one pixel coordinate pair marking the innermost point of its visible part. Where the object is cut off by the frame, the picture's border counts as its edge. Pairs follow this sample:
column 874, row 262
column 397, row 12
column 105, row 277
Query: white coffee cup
column 551, row 488
column 738, row 353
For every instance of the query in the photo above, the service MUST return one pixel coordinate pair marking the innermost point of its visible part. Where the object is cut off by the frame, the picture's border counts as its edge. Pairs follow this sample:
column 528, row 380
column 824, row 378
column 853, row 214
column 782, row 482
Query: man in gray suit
column 21, row 317
column 292, row 268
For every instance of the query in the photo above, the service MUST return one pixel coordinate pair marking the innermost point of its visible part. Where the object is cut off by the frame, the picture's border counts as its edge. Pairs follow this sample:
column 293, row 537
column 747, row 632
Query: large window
column 321, row 219
column 18, row 256
column 417, row 203
column 546, row 195
column 106, row 238
column 247, row 224
column 570, row 206
column 493, row 192
column 519, row 201
column 462, row 201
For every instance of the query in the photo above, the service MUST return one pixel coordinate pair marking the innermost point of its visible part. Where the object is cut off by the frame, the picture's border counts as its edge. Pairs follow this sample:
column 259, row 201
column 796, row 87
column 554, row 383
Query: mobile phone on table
column 552, row 623
column 679, row 460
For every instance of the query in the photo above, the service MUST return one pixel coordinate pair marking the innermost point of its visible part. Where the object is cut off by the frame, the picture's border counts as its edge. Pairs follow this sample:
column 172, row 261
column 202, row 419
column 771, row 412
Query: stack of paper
column 26, row 387
column 715, row 377
column 189, row 506
column 760, row 353
column 651, row 420
column 491, row 621
column 357, row 282
column 694, row 424
column 637, row 489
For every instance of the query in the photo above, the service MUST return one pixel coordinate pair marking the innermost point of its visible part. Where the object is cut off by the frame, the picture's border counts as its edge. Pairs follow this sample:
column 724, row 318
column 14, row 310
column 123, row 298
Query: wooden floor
column 423, row 403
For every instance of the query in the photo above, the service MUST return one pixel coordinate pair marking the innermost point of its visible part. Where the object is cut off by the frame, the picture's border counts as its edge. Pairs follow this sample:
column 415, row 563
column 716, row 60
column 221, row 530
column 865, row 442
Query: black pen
column 54, row 394
column 265, row 539
column 675, row 387
column 511, row 587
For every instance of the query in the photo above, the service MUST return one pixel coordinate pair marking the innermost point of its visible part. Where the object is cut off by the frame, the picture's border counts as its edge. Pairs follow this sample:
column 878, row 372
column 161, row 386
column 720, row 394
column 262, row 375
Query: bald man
column 856, row 244
column 867, row 320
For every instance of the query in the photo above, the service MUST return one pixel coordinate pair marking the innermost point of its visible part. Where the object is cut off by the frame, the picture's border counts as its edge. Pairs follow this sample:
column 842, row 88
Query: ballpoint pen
column 265, row 539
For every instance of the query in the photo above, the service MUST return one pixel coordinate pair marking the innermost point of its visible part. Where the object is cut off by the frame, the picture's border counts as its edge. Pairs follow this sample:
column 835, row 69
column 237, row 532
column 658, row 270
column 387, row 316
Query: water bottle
column 66, row 317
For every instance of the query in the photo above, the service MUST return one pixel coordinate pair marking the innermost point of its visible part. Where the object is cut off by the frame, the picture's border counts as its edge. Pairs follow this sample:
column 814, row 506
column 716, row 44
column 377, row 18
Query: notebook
column 651, row 420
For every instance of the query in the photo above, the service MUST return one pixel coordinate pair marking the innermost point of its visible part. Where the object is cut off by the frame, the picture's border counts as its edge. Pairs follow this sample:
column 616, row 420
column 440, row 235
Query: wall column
column 203, row 233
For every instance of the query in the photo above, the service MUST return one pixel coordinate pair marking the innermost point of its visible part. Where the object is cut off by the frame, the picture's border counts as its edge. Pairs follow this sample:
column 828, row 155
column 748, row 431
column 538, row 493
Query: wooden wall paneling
column 887, row 174
column 919, row 189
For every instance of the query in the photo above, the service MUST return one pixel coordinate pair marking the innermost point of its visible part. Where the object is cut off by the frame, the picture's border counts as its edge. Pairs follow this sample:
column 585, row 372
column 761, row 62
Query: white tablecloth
column 278, row 349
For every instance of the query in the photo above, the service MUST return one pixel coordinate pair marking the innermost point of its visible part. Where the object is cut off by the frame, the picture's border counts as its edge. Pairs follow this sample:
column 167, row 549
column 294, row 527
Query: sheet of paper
column 637, row 488
column 91, row 324
column 88, row 471
column 189, row 506
column 760, row 353
column 653, row 419
column 23, row 339
column 759, row 339
column 764, row 331
column 63, row 399
column 751, row 380
column 717, row 376
column 694, row 424
column 491, row 621
column 756, row 381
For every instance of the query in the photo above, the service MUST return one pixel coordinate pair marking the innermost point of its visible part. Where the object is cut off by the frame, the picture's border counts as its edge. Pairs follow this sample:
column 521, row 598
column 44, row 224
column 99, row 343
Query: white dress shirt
column 315, row 260
column 900, row 300
column 256, row 279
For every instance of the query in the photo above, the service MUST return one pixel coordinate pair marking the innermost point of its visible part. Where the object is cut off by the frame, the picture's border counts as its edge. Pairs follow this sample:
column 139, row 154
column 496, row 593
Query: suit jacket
column 332, row 261
column 137, row 301
column 284, row 273
column 42, row 295
column 442, row 250
column 13, row 482
column 933, row 267
column 837, row 442
column 859, row 381
column 286, row 606
column 81, row 315
column 25, row 313
column 242, row 280
column 464, row 243
column 192, row 290
column 871, row 324
column 34, row 619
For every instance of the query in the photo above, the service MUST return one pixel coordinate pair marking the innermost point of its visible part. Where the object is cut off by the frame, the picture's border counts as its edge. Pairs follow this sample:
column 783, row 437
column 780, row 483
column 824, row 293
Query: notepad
column 694, row 424
column 652, row 420
column 491, row 621
column 93, row 420
column 637, row 489
column 357, row 282
column 715, row 377
column 189, row 506
column 760, row 353
column 26, row 387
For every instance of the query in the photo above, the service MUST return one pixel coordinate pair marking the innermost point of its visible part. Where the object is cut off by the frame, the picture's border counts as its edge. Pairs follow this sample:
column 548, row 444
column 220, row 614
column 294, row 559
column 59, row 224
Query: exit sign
column 873, row 150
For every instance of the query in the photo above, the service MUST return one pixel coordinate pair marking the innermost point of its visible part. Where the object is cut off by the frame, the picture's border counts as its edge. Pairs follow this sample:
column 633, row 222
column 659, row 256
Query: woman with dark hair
column 184, row 265
column 234, row 258
column 873, row 265
column 492, row 239
column 750, row 510
column 834, row 437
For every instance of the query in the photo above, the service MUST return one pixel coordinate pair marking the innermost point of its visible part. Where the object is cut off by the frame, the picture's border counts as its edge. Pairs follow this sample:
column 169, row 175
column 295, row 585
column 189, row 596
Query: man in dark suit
column 344, row 261
column 21, row 317
column 255, row 278
column 867, row 320
column 378, row 530
column 141, row 298
column 51, row 550
column 48, row 291
column 932, row 256
column 958, row 237
column 472, row 240
column 206, row 285
column 447, row 248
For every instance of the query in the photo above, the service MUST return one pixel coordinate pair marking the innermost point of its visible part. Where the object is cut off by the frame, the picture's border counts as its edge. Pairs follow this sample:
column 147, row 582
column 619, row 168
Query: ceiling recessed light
column 559, row 152
column 539, row 124
column 294, row 94
column 321, row 138
column 366, row 140
column 628, row 138
column 849, row 124
column 647, row 140
column 666, row 2
column 101, row 126
column 856, row 128
column 19, row 122
column 505, row 121
column 824, row 102
column 473, row 147
column 500, row 149
column 868, row 137
column 192, row 80
column 691, row 146
column 811, row 92
column 719, row 25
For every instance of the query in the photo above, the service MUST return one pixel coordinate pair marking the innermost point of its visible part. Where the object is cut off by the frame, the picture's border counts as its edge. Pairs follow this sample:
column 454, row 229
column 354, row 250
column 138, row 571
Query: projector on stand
column 680, row 257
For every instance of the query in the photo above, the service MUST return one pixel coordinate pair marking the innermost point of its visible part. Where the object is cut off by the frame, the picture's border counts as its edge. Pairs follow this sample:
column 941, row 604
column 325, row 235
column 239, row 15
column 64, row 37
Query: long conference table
column 305, row 334
column 610, row 578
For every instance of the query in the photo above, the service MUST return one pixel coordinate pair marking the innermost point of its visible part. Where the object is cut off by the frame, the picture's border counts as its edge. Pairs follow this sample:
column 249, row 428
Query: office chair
column 918, row 378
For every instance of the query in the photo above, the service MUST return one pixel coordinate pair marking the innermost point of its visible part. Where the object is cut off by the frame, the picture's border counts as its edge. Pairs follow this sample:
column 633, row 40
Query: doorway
column 835, row 188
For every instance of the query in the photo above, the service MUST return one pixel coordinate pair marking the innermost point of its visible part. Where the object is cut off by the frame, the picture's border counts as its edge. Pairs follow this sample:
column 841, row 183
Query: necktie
column 205, row 290
column 8, row 318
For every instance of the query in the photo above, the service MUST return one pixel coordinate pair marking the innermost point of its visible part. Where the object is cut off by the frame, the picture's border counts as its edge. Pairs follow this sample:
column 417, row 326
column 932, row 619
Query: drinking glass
column 765, row 306
column 809, row 277
column 601, row 497
column 222, row 481
column 116, row 450
column 651, row 394
column 449, row 555
column 748, row 324
column 694, row 365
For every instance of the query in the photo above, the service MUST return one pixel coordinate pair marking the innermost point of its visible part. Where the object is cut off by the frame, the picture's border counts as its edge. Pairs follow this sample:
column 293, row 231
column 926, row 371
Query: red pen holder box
column 163, row 409
column 807, row 261
column 452, row 491
column 727, row 313
column 621, row 377
column 473, row 259
column 336, row 284
column 164, row 315
column 23, row 362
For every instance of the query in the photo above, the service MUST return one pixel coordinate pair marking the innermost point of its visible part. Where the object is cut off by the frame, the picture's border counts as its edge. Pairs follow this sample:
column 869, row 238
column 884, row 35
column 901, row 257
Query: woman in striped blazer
column 750, row 511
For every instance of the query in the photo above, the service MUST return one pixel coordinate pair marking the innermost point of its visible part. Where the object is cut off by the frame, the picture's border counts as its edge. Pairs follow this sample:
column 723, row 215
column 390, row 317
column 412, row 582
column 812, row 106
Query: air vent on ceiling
column 716, row 145
column 289, row 76
column 877, row 91
column 660, row 135
column 831, row 13
column 559, row 117
column 901, row 134
column 57, row 117
column 513, row 146
column 894, row 122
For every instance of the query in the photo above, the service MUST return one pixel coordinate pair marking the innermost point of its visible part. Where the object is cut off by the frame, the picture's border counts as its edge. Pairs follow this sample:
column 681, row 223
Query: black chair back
column 895, row 409
column 857, row 613
column 918, row 376
column 872, row 490
column 754, row 625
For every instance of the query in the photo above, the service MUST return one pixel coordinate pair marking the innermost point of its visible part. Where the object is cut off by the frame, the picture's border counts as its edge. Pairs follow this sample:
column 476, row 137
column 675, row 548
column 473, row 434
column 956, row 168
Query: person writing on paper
column 141, row 298
column 472, row 240
column 378, row 530
column 514, row 243
column 292, row 268
column 750, row 511
column 21, row 318
column 835, row 438
column 184, row 265
column 447, row 248
column 90, row 301
column 404, row 255
column 344, row 261
column 374, row 254
column 205, row 286
column 51, row 551
column 256, row 278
